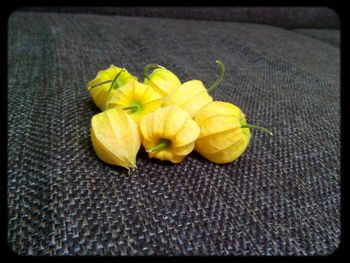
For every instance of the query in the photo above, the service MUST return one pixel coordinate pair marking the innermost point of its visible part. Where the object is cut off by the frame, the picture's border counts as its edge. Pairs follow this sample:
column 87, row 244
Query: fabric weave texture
column 286, row 17
column 281, row 197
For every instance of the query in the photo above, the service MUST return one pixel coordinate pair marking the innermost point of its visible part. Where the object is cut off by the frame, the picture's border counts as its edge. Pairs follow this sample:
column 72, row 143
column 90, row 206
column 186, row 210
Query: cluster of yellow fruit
column 168, row 118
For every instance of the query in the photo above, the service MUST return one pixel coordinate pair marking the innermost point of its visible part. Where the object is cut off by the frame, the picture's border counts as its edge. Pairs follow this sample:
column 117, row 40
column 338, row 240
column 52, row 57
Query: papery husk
column 191, row 96
column 171, row 123
column 138, row 93
column 221, row 139
column 115, row 138
column 163, row 81
column 99, row 93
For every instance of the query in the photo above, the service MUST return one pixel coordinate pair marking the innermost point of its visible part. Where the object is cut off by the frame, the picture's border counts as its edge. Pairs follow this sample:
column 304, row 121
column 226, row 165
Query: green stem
column 112, row 87
column 218, row 78
column 115, row 79
column 101, row 83
column 148, row 67
column 258, row 128
column 130, row 170
column 164, row 143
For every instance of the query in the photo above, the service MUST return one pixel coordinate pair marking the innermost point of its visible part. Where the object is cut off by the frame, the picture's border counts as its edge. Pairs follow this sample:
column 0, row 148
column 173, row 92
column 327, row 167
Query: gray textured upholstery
column 281, row 197
column 286, row 17
column 331, row 36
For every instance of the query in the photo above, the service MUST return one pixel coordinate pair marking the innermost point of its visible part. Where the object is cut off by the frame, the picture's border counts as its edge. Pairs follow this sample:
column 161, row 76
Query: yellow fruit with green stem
column 192, row 95
column 100, row 86
column 162, row 80
column 137, row 99
column 224, row 133
column 169, row 133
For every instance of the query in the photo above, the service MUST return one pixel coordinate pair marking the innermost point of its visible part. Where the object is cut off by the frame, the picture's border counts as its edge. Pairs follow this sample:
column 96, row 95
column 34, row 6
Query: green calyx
column 218, row 78
column 148, row 67
column 135, row 107
column 257, row 128
column 114, row 85
column 164, row 143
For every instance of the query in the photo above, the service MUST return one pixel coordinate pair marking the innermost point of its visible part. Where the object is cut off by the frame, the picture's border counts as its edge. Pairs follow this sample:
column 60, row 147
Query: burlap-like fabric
column 281, row 197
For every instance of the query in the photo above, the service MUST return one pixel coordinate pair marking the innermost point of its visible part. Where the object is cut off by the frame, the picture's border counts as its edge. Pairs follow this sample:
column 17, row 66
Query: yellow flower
column 169, row 133
column 137, row 99
column 161, row 80
column 192, row 95
column 100, row 85
column 115, row 138
column 224, row 133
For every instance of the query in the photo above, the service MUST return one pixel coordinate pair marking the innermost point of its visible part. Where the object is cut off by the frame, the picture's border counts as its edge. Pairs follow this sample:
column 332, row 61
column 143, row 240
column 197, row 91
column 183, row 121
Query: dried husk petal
column 191, row 96
column 115, row 138
column 163, row 81
column 98, row 92
column 137, row 94
column 173, row 124
column 221, row 139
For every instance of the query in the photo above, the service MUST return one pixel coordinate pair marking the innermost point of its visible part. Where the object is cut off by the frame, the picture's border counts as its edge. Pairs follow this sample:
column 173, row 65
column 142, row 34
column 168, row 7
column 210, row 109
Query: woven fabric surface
column 331, row 36
column 286, row 17
column 281, row 197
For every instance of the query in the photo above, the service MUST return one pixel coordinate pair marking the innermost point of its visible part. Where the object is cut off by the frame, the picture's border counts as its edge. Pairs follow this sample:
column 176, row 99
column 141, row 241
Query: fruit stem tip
column 164, row 143
column 258, row 128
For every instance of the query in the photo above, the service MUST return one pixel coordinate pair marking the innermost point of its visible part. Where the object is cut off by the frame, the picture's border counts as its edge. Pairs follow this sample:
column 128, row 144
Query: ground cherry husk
column 224, row 134
column 192, row 95
column 115, row 137
column 169, row 133
column 221, row 140
column 137, row 99
column 100, row 87
column 162, row 80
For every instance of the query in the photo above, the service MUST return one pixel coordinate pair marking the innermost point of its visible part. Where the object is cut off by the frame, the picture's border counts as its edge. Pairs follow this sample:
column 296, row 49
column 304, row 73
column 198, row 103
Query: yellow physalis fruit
column 104, row 81
column 137, row 99
column 115, row 138
column 169, row 133
column 224, row 134
column 161, row 80
column 191, row 96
